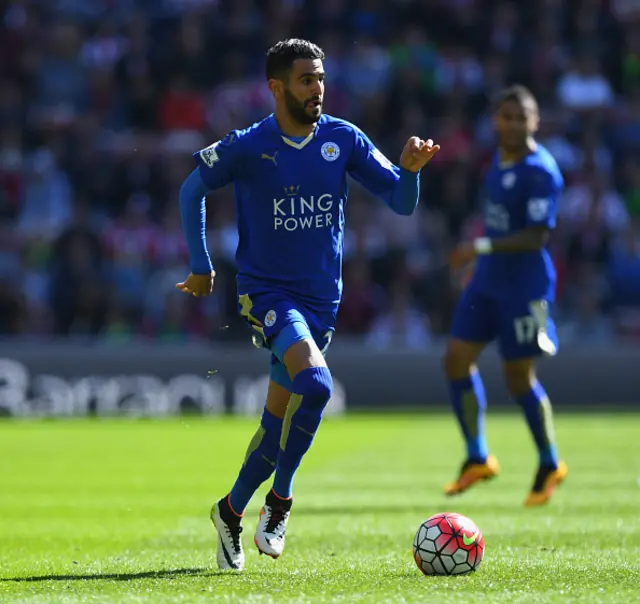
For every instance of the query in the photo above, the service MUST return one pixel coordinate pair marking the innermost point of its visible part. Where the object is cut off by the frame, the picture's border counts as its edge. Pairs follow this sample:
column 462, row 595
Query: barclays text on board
column 68, row 380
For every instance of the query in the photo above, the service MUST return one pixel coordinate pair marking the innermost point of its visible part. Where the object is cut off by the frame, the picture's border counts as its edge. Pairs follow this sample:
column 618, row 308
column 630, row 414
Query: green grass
column 117, row 511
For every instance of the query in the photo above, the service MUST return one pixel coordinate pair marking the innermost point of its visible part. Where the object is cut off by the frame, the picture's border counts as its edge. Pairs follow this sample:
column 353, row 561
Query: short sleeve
column 218, row 163
column 542, row 199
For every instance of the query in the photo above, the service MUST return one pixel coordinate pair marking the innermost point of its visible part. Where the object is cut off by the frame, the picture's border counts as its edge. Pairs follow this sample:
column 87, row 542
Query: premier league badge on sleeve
column 209, row 155
column 538, row 208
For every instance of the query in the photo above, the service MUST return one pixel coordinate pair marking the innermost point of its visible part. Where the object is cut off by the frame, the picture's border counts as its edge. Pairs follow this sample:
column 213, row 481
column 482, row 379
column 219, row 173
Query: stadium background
column 103, row 102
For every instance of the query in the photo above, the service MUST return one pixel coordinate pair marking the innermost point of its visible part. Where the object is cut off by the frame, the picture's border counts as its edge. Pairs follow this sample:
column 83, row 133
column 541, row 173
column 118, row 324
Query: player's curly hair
column 518, row 93
column 281, row 56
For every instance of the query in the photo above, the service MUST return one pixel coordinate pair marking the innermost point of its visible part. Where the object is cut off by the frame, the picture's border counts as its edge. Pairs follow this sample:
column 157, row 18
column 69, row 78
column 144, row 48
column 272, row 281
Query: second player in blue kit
column 290, row 175
column 510, row 296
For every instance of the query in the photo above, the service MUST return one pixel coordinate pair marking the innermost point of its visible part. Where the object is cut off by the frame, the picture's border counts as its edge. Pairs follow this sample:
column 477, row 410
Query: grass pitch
column 117, row 511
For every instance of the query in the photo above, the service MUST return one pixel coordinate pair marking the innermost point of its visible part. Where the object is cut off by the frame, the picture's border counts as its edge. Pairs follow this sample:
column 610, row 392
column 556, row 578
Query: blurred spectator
column 46, row 206
column 402, row 326
column 592, row 191
column 584, row 86
column 362, row 299
column 61, row 78
column 624, row 275
column 631, row 187
column 105, row 48
column 367, row 70
column 129, row 244
column 624, row 270
column 78, row 287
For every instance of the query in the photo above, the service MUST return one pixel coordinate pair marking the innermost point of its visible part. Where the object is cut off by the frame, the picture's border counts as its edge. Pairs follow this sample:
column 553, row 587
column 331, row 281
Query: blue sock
column 537, row 410
column 259, row 463
column 470, row 404
column 303, row 418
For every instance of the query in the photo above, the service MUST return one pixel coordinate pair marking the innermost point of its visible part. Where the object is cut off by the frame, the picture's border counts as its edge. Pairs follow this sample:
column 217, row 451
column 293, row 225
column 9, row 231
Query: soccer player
column 509, row 296
column 289, row 172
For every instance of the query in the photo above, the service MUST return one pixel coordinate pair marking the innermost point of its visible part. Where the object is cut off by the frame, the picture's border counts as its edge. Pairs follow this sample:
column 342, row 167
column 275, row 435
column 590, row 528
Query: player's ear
column 276, row 87
column 534, row 123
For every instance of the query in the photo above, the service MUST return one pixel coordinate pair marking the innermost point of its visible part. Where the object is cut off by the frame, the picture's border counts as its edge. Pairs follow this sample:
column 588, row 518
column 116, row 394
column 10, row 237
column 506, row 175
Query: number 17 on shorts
column 537, row 326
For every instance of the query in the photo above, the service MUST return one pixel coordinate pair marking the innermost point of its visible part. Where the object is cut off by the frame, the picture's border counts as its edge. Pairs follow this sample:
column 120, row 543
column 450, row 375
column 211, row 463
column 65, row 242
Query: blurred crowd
column 102, row 103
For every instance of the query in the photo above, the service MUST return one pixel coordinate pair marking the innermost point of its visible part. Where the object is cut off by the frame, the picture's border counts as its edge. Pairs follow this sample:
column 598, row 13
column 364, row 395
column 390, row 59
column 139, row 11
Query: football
column 448, row 544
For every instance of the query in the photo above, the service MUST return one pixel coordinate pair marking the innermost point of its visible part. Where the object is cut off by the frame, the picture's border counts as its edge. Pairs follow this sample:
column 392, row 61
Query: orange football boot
column 545, row 483
column 472, row 472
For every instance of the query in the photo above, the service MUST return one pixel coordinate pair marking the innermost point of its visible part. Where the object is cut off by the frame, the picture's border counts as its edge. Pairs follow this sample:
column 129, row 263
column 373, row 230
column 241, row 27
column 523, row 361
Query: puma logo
column 271, row 158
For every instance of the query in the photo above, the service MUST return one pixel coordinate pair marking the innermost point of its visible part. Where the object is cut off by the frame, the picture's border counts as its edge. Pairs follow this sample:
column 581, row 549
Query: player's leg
column 469, row 404
column 262, row 453
column 259, row 464
column 527, row 333
column 312, row 382
column 472, row 329
column 467, row 395
column 311, row 386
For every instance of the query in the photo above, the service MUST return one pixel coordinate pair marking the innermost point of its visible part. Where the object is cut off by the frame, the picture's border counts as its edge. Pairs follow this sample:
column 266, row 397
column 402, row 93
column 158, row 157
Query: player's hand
column 465, row 275
column 461, row 256
column 197, row 285
column 417, row 153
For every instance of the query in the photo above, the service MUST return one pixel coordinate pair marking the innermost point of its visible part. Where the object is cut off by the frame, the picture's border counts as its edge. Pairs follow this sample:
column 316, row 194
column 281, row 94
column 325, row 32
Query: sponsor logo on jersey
column 508, row 180
column 294, row 211
column 496, row 217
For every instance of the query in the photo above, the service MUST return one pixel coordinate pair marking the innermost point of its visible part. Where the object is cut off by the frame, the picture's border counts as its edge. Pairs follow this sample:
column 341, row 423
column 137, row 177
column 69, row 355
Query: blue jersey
column 290, row 200
column 519, row 196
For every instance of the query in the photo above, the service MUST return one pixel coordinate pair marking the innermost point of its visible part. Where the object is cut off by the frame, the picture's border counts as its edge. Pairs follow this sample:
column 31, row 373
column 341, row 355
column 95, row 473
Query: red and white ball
column 448, row 544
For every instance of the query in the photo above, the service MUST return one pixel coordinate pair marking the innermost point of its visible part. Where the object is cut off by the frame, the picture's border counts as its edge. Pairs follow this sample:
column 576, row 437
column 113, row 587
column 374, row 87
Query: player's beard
column 514, row 147
column 298, row 109
column 514, row 142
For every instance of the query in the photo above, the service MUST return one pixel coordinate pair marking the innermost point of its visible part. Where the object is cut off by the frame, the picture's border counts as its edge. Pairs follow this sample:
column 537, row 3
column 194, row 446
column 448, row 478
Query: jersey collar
column 273, row 126
column 506, row 165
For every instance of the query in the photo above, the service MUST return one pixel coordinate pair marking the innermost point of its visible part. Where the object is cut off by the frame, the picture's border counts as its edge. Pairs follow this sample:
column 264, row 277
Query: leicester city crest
column 330, row 151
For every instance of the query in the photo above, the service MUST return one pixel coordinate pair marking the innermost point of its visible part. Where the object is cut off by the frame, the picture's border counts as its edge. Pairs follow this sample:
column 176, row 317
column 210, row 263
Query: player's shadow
column 391, row 508
column 332, row 510
column 152, row 574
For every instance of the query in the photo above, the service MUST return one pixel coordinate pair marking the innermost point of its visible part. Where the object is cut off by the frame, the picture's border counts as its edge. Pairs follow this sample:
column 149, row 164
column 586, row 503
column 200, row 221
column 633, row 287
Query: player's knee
column 277, row 395
column 457, row 364
column 315, row 385
column 302, row 354
column 519, row 377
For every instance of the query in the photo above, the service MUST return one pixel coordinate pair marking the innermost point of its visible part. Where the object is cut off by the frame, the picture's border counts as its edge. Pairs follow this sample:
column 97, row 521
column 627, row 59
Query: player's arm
column 399, row 187
column 541, row 208
column 215, row 170
column 529, row 239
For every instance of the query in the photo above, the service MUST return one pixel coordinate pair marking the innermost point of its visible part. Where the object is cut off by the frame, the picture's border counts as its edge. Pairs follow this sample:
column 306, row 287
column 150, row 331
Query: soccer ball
column 448, row 544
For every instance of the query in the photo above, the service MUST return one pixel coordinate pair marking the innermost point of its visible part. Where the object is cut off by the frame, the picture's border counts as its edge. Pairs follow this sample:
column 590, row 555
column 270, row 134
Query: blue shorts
column 278, row 322
column 515, row 321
